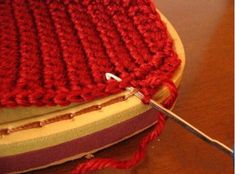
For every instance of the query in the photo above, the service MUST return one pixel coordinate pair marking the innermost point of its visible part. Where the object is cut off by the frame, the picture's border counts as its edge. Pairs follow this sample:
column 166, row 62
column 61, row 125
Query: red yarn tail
column 101, row 163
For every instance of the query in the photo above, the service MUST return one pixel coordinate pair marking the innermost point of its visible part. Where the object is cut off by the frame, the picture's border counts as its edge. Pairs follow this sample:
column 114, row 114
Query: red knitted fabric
column 57, row 52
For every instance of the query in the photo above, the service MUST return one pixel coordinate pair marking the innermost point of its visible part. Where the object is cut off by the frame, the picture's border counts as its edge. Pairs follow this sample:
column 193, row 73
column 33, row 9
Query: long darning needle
column 177, row 119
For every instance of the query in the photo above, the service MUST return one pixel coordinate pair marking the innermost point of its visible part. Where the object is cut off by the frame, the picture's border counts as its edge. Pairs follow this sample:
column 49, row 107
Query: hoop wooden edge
column 133, row 102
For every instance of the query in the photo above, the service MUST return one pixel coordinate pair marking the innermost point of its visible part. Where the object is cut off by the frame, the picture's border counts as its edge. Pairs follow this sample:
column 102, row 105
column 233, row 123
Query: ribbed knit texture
column 57, row 52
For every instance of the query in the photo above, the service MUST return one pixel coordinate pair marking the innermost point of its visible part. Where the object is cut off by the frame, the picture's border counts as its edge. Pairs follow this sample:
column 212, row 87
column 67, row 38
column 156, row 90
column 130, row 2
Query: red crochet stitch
column 57, row 52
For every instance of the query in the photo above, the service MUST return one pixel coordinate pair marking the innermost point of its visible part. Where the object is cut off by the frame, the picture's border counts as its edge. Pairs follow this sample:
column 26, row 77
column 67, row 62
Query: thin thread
column 58, row 118
column 139, row 154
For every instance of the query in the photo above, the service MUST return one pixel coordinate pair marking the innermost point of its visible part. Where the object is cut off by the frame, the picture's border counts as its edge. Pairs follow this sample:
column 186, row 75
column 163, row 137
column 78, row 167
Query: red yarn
column 101, row 163
column 57, row 52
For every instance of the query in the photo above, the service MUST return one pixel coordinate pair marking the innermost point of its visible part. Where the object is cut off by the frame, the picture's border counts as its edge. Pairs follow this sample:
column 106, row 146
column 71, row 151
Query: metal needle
column 177, row 119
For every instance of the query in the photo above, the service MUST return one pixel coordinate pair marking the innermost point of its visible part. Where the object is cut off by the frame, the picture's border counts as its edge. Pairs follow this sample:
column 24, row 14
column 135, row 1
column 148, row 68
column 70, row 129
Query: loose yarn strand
column 138, row 156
